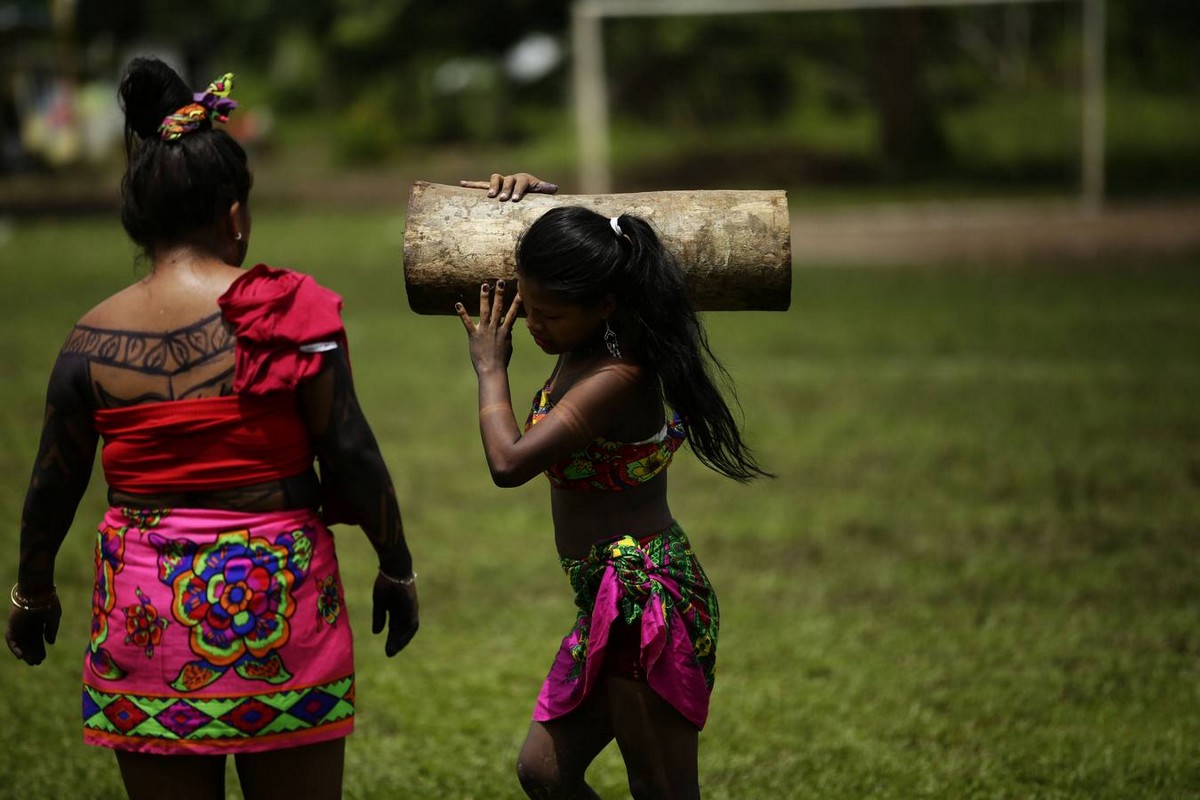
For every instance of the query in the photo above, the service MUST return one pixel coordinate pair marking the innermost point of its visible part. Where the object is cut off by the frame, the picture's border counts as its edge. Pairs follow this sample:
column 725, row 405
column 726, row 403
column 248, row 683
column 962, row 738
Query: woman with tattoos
column 607, row 298
column 218, row 622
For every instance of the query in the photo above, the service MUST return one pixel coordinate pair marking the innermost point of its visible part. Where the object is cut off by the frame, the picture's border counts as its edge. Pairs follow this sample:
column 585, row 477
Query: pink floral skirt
column 216, row 632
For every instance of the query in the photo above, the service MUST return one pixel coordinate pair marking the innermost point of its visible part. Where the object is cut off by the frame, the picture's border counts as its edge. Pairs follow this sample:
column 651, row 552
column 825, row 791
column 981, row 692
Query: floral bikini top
column 607, row 466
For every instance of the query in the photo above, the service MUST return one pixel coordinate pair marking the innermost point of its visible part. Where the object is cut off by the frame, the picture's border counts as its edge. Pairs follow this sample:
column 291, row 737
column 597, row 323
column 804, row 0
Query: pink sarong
column 216, row 632
column 656, row 586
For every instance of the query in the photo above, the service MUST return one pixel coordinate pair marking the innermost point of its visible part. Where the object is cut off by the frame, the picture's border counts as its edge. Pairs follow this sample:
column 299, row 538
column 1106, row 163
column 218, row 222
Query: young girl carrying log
column 609, row 300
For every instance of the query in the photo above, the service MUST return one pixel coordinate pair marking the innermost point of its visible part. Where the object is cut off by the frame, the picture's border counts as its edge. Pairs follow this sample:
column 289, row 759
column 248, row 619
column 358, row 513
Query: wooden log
column 734, row 246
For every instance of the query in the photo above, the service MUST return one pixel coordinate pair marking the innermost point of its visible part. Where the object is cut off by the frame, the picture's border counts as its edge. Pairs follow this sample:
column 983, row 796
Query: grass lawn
column 975, row 576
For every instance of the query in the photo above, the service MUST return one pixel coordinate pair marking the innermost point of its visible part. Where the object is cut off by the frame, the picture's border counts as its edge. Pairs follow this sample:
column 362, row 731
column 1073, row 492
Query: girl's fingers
column 506, row 187
column 542, row 187
column 485, row 305
column 498, row 305
column 504, row 319
column 530, row 184
column 492, row 314
column 517, row 185
column 511, row 316
column 465, row 317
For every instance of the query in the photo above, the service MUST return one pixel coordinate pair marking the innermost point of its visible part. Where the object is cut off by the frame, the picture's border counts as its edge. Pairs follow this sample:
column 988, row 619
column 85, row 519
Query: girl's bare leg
column 556, row 754
column 659, row 746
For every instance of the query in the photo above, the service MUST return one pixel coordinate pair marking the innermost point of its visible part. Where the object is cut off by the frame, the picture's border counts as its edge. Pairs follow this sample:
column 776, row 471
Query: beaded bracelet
column 399, row 581
column 24, row 604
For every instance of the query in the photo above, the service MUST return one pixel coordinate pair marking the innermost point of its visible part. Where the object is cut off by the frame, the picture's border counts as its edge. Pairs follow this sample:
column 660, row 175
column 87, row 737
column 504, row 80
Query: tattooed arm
column 60, row 477
column 60, row 473
column 350, row 455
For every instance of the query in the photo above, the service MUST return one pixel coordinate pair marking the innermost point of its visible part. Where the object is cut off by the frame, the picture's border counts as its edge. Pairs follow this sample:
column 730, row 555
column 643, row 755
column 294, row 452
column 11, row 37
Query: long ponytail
column 582, row 256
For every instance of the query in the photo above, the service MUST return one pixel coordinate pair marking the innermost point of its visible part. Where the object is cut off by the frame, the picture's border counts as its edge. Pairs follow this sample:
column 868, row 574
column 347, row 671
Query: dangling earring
column 610, row 341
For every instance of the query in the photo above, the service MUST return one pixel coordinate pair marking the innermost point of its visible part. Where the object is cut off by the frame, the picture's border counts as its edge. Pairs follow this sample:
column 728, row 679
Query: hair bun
column 150, row 91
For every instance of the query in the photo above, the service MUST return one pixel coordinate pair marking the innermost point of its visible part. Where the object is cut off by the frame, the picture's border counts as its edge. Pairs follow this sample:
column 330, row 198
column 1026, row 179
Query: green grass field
column 975, row 576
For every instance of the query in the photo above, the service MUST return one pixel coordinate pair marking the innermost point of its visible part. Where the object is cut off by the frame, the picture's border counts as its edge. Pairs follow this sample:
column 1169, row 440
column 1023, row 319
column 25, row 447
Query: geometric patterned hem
column 210, row 725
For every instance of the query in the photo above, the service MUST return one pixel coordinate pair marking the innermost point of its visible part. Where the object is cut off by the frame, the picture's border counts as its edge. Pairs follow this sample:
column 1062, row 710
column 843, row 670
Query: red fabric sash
column 273, row 311
column 205, row 444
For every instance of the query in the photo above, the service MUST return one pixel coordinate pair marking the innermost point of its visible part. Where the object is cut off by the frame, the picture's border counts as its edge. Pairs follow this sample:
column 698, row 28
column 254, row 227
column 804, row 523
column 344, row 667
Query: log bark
column 734, row 246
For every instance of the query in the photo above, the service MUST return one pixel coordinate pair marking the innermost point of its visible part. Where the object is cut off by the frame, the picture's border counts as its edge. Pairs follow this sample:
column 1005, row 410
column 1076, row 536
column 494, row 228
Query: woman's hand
column 491, row 339
column 30, row 630
column 394, row 604
column 517, row 185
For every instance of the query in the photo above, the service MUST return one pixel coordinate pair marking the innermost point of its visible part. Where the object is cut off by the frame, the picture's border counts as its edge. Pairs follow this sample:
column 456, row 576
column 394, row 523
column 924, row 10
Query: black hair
column 173, row 189
column 577, row 254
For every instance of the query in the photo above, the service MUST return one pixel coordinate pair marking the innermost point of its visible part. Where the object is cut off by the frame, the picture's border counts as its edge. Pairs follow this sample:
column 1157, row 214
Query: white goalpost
column 591, row 99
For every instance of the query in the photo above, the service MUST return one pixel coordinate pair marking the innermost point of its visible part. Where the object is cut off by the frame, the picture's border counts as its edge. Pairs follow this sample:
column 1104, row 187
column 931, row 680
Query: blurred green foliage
column 850, row 96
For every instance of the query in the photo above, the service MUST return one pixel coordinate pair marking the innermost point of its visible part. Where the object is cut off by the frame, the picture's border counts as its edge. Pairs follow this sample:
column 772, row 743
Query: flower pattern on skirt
column 109, row 561
column 236, row 597
column 329, row 601
column 143, row 625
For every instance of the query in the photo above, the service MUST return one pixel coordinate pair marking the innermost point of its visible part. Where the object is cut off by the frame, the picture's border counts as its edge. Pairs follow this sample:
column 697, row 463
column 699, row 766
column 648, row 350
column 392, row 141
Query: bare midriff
column 583, row 518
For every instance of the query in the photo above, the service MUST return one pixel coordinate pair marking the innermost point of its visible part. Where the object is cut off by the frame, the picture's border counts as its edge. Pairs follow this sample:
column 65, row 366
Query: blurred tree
column 910, row 131
column 1154, row 44
column 382, row 73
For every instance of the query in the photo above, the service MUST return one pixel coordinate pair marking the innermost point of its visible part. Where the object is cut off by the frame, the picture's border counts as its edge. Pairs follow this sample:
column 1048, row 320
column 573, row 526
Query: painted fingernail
column 500, row 284
column 458, row 306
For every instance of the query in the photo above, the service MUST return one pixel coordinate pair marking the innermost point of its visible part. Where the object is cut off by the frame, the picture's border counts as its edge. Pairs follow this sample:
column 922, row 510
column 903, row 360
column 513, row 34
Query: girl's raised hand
column 502, row 187
column 491, row 339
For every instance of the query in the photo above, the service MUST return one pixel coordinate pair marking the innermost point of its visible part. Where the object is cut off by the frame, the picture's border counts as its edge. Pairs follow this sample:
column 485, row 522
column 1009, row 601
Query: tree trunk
column 733, row 246
column 911, row 135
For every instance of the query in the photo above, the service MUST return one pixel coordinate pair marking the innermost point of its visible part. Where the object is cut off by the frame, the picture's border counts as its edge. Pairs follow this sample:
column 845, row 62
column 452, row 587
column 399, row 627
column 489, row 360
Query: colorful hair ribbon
column 213, row 104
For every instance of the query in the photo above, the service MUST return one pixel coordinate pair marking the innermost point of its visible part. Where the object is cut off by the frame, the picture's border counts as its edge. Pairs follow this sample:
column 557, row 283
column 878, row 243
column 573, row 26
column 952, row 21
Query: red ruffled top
column 274, row 312
column 283, row 321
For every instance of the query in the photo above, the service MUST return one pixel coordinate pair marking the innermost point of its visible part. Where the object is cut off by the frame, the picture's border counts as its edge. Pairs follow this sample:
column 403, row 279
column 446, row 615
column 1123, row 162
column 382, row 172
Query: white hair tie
column 616, row 228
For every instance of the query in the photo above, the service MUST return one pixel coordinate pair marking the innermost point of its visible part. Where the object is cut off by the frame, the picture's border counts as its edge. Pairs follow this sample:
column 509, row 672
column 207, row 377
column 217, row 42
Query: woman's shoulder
column 623, row 372
column 615, row 379
column 263, row 289
column 621, row 399
column 155, row 304
column 111, row 310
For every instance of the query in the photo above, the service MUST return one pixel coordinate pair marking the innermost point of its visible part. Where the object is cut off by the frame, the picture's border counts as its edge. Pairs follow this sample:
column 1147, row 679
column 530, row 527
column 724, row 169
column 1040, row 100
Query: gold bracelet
column 399, row 581
column 22, row 603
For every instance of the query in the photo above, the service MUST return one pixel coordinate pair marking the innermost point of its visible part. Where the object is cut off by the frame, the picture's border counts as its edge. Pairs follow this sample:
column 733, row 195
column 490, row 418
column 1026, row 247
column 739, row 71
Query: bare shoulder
column 115, row 310
column 622, row 372
column 158, row 305
column 619, row 380
column 620, row 400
